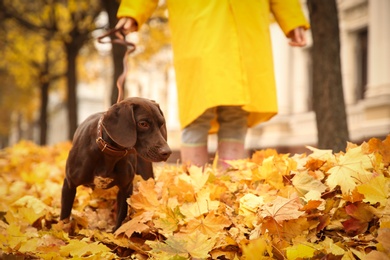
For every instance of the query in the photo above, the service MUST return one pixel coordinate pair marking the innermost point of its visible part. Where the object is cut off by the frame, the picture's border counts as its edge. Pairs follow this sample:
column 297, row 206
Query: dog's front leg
column 122, row 196
column 67, row 199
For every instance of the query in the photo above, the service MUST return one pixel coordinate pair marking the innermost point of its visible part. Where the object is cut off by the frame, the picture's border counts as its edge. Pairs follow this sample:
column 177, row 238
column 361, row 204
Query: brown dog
column 106, row 147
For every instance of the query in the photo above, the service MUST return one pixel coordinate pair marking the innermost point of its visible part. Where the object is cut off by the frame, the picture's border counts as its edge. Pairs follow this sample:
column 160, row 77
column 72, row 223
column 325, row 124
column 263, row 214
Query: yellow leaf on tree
column 376, row 190
column 351, row 169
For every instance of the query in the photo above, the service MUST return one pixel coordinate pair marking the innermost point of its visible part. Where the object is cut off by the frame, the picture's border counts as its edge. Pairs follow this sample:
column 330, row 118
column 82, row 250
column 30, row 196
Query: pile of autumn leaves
column 318, row 205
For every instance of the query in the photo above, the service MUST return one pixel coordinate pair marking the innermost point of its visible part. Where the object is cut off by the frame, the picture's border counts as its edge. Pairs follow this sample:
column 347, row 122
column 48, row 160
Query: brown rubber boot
column 230, row 150
column 194, row 155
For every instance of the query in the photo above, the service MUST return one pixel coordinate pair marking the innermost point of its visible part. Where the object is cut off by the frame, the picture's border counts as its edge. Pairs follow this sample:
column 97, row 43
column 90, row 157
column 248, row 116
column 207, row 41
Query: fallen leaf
column 376, row 190
column 209, row 225
column 29, row 208
column 282, row 209
column 304, row 183
column 256, row 249
column 300, row 251
column 77, row 248
column 196, row 245
column 136, row 224
column 351, row 170
column 354, row 226
column 202, row 205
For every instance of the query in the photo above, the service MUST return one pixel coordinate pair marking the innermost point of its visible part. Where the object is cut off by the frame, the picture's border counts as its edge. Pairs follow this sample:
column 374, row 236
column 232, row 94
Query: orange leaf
column 282, row 209
column 209, row 225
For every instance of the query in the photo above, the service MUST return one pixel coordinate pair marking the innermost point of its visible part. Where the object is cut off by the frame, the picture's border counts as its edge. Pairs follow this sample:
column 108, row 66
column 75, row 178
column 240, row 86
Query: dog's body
column 106, row 147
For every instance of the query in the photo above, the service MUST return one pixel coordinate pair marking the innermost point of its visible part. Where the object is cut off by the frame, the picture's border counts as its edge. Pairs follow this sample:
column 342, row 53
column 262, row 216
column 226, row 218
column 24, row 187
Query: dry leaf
column 252, row 211
column 282, row 209
column 352, row 169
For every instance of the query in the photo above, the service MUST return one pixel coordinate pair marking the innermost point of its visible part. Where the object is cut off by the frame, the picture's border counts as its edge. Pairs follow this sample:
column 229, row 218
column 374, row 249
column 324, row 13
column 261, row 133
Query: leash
column 101, row 143
column 130, row 48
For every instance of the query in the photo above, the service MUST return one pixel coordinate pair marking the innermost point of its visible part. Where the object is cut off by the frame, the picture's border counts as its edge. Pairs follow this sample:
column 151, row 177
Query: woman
column 223, row 63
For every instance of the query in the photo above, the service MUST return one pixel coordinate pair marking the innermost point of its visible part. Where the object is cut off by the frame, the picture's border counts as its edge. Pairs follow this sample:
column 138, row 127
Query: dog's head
column 139, row 123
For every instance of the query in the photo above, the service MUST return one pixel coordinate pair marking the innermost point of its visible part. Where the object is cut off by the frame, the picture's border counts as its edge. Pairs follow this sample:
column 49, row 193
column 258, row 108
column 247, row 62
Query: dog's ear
column 119, row 123
column 163, row 128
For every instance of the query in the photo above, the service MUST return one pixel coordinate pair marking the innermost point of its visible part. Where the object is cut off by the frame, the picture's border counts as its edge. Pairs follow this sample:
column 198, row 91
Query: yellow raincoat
column 222, row 52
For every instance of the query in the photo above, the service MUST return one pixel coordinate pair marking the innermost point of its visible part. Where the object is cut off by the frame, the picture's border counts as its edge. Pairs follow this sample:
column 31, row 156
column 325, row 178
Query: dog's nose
column 165, row 152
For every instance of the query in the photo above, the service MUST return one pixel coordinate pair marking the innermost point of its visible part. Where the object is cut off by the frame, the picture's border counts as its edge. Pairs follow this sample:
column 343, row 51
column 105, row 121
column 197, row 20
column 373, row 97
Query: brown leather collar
column 106, row 147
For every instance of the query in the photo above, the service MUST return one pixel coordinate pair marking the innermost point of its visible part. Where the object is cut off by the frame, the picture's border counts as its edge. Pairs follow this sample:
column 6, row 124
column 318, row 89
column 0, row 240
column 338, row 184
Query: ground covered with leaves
column 317, row 205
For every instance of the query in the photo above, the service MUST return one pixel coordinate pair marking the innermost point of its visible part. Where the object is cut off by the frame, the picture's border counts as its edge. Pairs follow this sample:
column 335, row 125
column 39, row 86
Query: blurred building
column 365, row 57
column 365, row 60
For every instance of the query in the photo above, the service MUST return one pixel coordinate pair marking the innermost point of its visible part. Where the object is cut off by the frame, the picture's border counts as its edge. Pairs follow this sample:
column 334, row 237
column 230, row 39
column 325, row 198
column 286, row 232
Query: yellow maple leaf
column 136, row 224
column 203, row 204
column 300, row 251
column 256, row 249
column 331, row 247
column 381, row 147
column 351, row 169
column 320, row 154
column 77, row 248
column 209, row 225
column 314, row 198
column 305, row 183
column 199, row 245
column 196, row 245
column 384, row 240
column 269, row 173
column 168, row 220
column 376, row 190
column 282, row 209
column 249, row 205
column 146, row 198
column 29, row 245
column 12, row 238
column 29, row 209
column 259, row 156
column 196, row 177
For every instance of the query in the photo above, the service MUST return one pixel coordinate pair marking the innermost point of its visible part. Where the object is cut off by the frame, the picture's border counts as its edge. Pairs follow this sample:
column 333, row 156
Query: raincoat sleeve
column 140, row 10
column 288, row 14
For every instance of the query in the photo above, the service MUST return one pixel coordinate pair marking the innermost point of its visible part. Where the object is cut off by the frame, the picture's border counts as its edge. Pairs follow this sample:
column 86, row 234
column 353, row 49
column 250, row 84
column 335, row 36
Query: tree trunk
column 43, row 113
column 118, row 51
column 45, row 85
column 71, row 76
column 328, row 97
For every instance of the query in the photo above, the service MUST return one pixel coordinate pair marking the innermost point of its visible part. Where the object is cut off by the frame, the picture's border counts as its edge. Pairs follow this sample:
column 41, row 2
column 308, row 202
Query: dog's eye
column 143, row 124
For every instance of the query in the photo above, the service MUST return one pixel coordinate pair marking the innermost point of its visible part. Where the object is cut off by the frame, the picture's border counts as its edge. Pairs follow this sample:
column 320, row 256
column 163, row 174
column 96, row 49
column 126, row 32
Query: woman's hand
column 127, row 25
column 297, row 37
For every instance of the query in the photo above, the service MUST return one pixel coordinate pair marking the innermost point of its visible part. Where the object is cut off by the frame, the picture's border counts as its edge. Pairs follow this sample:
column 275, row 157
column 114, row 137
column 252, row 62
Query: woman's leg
column 194, row 140
column 233, row 127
